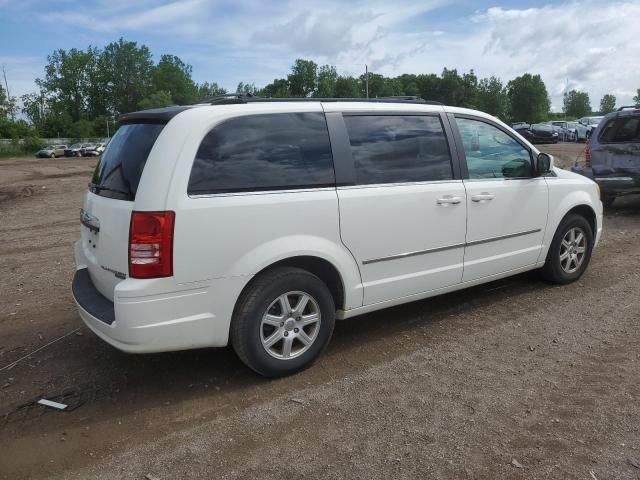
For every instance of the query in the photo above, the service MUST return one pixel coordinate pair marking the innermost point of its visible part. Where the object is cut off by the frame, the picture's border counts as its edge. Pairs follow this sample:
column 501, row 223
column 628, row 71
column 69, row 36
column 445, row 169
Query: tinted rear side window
column 264, row 152
column 396, row 149
column 118, row 172
column 621, row 130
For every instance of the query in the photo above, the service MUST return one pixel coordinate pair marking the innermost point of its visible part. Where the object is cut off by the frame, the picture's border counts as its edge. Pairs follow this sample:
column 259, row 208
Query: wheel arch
column 578, row 202
column 318, row 266
column 588, row 213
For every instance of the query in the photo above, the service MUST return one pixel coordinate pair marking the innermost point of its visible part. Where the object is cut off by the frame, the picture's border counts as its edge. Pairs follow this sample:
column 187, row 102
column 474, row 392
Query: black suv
column 613, row 154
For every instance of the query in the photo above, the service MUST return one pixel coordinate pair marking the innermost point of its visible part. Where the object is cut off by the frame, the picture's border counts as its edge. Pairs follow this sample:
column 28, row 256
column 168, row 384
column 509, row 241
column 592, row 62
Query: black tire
column 53, row 155
column 247, row 329
column 553, row 271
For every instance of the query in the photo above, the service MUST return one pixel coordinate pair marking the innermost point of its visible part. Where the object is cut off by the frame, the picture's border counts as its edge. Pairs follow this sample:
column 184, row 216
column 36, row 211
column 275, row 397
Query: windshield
column 75, row 145
column 594, row 120
column 119, row 170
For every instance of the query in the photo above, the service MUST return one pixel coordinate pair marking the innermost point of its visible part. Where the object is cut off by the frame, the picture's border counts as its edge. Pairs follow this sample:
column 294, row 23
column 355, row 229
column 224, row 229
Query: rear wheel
column 53, row 155
column 570, row 250
column 283, row 321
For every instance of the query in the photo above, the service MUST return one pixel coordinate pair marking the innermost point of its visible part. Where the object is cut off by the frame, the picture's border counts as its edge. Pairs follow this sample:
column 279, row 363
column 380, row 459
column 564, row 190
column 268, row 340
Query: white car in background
column 261, row 221
column 590, row 123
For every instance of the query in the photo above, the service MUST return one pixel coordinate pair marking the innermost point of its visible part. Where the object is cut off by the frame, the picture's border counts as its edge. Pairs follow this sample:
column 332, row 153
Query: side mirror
column 544, row 164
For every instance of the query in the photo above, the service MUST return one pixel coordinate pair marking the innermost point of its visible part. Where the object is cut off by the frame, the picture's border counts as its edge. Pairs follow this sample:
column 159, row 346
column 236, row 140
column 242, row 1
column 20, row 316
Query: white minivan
column 261, row 221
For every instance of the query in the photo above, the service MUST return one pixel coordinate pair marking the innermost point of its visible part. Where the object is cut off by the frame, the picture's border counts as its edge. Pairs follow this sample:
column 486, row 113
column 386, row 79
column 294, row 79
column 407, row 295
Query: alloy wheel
column 573, row 249
column 290, row 325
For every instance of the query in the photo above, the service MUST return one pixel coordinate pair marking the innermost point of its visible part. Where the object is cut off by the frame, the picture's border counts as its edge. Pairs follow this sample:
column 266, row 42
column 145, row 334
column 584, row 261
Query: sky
column 587, row 45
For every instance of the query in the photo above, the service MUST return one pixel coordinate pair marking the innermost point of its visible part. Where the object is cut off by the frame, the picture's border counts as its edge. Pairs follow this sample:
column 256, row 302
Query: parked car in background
column 51, row 151
column 590, row 123
column 86, row 148
column 75, row 150
column 577, row 130
column 93, row 150
column 316, row 210
column 538, row 133
column 613, row 154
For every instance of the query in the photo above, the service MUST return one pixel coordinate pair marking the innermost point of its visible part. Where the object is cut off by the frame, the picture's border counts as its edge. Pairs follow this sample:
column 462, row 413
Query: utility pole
column 107, row 128
column 4, row 73
column 366, row 78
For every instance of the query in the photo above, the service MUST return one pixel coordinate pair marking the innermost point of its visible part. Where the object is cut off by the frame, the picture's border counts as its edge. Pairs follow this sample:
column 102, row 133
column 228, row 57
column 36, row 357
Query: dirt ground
column 514, row 379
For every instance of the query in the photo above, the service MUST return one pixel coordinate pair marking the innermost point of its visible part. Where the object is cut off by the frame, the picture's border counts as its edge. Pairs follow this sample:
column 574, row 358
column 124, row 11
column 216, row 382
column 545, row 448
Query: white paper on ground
column 49, row 403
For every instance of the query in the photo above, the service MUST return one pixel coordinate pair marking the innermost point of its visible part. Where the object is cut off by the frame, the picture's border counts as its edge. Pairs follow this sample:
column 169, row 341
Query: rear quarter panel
column 237, row 235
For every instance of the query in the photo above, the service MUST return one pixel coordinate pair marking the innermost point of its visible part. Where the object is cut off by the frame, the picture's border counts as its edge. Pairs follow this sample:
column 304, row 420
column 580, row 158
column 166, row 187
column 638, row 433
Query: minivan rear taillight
column 587, row 153
column 151, row 244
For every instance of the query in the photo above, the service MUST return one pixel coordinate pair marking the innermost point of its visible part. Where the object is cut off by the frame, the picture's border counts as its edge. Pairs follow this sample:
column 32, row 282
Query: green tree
column 607, row 104
column 576, row 104
column 429, row 87
column 158, row 99
column 67, row 79
column 207, row 90
column 33, row 107
column 470, row 90
column 492, row 97
column 327, row 77
column 409, row 84
column 174, row 76
column 128, row 75
column 277, row 89
column 347, row 87
column 7, row 104
column 246, row 89
column 451, row 88
column 528, row 99
column 81, row 129
column 303, row 79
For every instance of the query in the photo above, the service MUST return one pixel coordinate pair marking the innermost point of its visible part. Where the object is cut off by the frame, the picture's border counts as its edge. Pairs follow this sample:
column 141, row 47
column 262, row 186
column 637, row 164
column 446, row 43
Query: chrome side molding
column 449, row 247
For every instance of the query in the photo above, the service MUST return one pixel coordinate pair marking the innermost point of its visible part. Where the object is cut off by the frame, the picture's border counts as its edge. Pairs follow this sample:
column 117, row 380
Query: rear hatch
column 109, row 202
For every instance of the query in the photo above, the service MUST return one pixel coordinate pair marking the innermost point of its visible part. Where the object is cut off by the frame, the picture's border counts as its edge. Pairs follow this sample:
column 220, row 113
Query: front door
column 404, row 219
column 507, row 205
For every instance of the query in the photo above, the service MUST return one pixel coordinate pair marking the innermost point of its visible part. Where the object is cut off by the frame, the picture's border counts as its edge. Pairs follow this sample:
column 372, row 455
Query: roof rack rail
column 236, row 98
column 626, row 107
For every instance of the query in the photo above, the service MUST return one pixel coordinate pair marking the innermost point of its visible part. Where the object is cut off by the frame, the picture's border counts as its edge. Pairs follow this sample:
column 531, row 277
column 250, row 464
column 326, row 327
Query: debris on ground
column 49, row 403
column 516, row 463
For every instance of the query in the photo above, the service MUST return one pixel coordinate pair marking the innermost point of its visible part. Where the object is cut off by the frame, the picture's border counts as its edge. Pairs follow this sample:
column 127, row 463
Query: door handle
column 482, row 197
column 448, row 200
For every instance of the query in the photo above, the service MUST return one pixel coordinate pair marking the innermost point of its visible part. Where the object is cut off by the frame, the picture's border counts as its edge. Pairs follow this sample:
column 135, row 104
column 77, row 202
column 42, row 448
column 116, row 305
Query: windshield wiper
column 98, row 188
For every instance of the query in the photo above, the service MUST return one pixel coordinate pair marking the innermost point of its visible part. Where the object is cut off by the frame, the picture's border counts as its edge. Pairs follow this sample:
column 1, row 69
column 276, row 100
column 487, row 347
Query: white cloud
column 591, row 44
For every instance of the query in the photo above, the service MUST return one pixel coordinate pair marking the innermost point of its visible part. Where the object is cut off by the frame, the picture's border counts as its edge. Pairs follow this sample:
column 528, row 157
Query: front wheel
column 570, row 250
column 283, row 321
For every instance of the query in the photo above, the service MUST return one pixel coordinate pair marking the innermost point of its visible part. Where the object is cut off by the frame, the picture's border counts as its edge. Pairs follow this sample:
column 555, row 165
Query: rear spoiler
column 154, row 115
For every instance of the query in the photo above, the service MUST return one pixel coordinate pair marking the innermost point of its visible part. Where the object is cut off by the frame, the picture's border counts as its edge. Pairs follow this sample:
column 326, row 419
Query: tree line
column 82, row 92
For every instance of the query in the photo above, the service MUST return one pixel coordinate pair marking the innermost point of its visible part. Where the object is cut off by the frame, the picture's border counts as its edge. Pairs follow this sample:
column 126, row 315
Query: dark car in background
column 537, row 132
column 612, row 157
column 75, row 150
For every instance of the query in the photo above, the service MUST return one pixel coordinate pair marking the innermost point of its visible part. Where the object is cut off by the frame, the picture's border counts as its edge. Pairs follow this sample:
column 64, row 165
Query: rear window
column 118, row 172
column 621, row 130
column 264, row 152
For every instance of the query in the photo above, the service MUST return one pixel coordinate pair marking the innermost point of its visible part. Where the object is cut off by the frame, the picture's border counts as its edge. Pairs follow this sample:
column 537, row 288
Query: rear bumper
column 151, row 323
